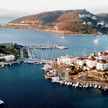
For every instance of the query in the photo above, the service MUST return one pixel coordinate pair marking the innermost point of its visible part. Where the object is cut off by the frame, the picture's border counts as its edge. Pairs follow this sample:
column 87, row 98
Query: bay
column 24, row 86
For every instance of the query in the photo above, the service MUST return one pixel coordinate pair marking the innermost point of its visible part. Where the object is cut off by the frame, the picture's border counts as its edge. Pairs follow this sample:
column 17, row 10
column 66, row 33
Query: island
column 88, row 71
column 78, row 21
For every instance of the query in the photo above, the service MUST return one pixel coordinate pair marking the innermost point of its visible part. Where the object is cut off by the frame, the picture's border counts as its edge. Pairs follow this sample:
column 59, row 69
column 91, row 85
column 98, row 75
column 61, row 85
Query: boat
column 1, row 104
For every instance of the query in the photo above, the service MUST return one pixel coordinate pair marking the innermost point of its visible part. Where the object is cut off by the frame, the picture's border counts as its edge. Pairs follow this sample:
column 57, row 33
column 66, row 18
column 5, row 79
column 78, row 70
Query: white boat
column 1, row 102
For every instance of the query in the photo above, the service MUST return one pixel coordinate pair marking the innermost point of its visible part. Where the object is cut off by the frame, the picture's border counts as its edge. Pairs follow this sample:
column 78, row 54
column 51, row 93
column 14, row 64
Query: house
column 8, row 57
column 80, row 62
column 102, row 66
column 91, row 63
column 102, row 56
column 84, row 23
column 89, row 23
column 101, row 23
column 65, row 60
column 94, row 17
column 84, row 15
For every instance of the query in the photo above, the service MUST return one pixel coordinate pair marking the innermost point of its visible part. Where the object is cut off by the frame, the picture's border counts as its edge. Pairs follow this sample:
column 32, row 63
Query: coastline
column 64, row 33
column 85, row 71
column 79, row 83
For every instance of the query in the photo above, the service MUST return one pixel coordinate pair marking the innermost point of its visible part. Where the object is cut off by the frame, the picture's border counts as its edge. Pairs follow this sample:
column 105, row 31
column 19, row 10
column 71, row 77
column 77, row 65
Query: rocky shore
column 61, row 32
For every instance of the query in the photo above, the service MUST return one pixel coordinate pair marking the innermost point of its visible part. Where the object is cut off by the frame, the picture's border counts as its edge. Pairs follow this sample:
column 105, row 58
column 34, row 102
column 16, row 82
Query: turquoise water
column 24, row 86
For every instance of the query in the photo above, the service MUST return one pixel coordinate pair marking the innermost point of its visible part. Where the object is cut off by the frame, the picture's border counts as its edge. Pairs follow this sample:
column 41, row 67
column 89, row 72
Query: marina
column 81, row 84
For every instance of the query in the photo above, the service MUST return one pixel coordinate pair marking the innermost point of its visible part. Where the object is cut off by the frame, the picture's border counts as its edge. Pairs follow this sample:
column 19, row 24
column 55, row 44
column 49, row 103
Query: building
column 89, row 23
column 102, row 56
column 8, row 57
column 80, row 62
column 102, row 66
column 94, row 17
column 84, row 15
column 84, row 23
column 91, row 63
column 65, row 60
column 101, row 23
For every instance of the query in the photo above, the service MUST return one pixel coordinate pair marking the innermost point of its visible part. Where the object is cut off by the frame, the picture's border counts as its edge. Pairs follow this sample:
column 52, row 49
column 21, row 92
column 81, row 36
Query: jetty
column 42, row 47
column 2, row 64
column 36, row 61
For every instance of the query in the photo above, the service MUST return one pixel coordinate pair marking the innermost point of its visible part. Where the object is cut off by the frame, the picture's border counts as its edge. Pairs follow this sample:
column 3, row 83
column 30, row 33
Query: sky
column 96, row 6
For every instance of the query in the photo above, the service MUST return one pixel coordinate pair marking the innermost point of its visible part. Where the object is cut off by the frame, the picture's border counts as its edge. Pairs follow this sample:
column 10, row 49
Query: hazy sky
column 46, row 5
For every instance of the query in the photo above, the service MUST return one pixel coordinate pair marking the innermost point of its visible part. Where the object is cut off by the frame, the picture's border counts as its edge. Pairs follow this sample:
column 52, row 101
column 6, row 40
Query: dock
column 42, row 47
column 2, row 64
column 36, row 61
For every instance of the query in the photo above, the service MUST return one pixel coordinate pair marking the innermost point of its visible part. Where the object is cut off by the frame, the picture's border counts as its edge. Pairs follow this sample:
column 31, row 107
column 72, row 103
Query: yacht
column 1, row 104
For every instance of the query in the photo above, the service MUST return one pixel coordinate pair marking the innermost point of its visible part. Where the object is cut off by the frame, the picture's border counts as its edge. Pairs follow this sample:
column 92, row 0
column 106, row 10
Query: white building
column 80, row 62
column 85, row 15
column 94, row 17
column 89, row 23
column 101, row 23
column 84, row 23
column 102, row 66
column 65, row 60
column 91, row 63
column 102, row 56
column 8, row 57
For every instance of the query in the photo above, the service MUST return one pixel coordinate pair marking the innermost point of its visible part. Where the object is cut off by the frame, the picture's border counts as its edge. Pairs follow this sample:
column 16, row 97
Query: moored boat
column 1, row 104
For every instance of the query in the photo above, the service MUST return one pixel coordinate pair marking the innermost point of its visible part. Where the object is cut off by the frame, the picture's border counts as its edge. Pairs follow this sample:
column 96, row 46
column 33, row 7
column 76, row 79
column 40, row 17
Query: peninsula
column 64, row 22
column 85, row 71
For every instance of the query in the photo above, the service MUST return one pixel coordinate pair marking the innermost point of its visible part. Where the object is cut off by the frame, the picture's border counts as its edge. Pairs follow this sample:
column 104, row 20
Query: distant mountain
column 68, row 21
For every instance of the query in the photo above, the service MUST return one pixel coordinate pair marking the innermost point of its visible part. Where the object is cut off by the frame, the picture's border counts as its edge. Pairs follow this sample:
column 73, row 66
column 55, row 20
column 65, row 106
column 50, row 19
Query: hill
column 67, row 21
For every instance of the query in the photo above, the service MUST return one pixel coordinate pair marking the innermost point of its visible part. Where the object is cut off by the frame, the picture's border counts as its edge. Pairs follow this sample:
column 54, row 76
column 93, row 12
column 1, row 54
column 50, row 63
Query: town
column 85, row 71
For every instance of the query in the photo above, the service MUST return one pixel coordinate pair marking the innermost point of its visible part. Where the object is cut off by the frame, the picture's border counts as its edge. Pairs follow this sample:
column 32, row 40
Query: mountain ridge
column 67, row 21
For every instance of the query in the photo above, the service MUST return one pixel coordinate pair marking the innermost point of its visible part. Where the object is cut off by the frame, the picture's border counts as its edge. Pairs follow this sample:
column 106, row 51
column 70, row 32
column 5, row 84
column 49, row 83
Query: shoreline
column 64, row 33
column 79, row 83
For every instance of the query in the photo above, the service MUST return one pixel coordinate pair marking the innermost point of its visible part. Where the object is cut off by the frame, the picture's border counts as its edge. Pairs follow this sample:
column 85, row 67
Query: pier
column 2, row 64
column 42, row 47
column 36, row 61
